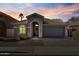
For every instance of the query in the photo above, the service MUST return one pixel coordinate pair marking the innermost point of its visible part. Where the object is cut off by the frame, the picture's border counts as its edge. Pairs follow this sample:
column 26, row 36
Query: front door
column 35, row 32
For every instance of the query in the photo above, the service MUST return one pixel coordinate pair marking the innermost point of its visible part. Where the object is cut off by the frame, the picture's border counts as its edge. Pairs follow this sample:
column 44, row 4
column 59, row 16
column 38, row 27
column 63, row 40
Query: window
column 22, row 29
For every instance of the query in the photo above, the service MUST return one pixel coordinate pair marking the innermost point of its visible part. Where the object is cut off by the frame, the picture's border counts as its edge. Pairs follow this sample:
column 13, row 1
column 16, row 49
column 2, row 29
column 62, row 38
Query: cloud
column 9, row 12
column 28, row 8
column 62, row 10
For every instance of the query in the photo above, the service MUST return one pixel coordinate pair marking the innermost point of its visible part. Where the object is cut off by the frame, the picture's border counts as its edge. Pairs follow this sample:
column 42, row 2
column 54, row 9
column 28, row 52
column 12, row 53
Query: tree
column 21, row 16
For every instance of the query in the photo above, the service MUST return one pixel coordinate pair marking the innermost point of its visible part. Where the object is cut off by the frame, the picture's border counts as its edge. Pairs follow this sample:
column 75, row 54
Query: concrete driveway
column 54, row 46
column 48, row 46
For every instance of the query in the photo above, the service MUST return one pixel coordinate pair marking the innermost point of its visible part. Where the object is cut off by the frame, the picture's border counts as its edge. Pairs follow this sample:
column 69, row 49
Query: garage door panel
column 53, row 32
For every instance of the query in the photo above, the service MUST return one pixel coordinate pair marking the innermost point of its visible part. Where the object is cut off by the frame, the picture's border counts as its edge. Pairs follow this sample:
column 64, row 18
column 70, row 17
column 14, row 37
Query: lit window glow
column 22, row 29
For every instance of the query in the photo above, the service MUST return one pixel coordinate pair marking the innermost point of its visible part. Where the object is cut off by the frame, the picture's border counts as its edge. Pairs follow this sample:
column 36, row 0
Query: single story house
column 35, row 25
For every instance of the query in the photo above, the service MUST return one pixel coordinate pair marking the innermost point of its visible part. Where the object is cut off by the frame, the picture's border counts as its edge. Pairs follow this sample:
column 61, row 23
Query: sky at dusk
column 63, row 11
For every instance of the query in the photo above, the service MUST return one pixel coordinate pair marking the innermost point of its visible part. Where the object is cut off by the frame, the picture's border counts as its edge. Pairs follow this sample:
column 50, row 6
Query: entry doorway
column 35, row 29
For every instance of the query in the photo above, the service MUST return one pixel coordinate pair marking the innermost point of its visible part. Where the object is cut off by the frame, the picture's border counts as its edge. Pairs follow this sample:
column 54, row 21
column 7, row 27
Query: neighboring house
column 73, row 25
column 37, row 25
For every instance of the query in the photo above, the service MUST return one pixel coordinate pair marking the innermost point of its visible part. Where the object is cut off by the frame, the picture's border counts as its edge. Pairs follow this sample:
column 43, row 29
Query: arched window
column 22, row 29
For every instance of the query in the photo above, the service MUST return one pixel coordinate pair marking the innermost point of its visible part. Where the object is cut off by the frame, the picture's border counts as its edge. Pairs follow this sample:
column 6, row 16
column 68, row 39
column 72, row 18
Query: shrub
column 75, row 35
column 23, row 36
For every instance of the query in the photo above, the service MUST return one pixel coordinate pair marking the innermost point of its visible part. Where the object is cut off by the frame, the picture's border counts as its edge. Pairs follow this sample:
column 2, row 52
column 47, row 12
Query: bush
column 23, row 36
column 75, row 35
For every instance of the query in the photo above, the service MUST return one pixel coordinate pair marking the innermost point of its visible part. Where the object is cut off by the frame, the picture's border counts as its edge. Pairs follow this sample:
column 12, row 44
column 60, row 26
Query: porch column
column 40, row 31
column 29, row 30
column 66, row 31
